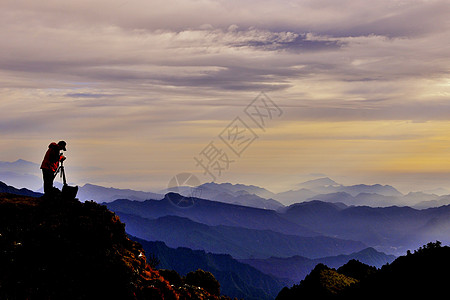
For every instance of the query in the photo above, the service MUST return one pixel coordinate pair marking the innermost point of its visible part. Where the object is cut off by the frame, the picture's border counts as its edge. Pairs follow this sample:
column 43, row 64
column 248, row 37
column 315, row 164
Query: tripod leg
column 63, row 175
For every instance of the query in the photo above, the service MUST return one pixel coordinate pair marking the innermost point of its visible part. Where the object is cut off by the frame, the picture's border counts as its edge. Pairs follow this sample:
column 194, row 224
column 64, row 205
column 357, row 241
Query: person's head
column 62, row 145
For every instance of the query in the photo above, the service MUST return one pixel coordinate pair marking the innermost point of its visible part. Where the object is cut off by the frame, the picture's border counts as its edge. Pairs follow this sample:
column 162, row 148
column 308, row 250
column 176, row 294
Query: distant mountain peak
column 385, row 190
column 21, row 173
column 4, row 188
column 319, row 182
column 246, row 195
column 20, row 161
column 237, row 187
column 107, row 194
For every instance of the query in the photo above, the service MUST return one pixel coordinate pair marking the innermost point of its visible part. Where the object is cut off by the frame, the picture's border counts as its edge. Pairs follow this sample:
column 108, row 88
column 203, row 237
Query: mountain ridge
column 240, row 194
column 419, row 274
column 390, row 229
column 236, row 241
column 211, row 213
column 108, row 194
column 23, row 173
column 318, row 182
column 382, row 227
column 297, row 267
column 236, row 279
column 4, row 188
column 57, row 248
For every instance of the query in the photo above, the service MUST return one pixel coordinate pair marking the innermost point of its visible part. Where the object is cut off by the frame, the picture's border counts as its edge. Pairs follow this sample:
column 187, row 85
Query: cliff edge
column 60, row 249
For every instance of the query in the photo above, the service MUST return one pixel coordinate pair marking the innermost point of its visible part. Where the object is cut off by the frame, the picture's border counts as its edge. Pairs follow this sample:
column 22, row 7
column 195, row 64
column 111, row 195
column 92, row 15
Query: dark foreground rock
column 60, row 249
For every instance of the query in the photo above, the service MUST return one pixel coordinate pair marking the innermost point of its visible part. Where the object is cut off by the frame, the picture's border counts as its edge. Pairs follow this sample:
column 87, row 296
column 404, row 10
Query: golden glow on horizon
column 382, row 146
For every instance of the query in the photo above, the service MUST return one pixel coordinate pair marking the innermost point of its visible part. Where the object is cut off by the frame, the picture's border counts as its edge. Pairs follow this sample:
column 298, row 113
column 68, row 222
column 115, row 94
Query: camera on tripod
column 68, row 192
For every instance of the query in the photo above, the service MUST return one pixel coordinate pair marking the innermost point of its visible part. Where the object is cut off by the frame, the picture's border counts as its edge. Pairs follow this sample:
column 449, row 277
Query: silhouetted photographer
column 50, row 164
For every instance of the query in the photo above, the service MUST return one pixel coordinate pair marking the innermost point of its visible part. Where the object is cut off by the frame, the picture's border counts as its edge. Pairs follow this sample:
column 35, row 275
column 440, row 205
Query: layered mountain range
column 315, row 223
column 392, row 229
column 255, row 241
column 253, row 252
column 25, row 174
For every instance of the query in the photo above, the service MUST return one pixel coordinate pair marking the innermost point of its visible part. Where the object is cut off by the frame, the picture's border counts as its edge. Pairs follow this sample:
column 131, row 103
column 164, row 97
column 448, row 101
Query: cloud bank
column 160, row 75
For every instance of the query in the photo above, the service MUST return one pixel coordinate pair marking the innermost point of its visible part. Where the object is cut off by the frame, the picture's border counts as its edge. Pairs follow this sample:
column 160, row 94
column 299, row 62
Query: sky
column 144, row 90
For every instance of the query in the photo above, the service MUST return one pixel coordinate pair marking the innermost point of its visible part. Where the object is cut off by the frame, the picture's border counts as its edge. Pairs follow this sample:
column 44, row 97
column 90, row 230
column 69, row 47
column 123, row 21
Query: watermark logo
column 238, row 136
column 262, row 109
column 183, row 188
column 217, row 156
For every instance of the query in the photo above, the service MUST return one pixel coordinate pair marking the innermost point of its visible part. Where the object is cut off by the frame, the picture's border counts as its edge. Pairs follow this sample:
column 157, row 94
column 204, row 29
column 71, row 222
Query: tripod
column 63, row 173
column 68, row 192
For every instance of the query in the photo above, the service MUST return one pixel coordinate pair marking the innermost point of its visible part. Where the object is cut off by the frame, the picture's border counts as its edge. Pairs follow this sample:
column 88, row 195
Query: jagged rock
column 205, row 280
